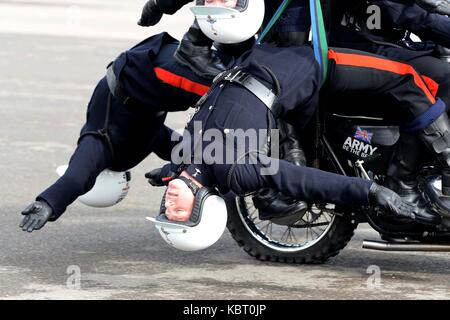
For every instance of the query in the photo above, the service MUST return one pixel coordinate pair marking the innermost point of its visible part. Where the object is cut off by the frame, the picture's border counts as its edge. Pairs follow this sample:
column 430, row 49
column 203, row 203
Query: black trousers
column 425, row 64
column 367, row 84
column 134, row 134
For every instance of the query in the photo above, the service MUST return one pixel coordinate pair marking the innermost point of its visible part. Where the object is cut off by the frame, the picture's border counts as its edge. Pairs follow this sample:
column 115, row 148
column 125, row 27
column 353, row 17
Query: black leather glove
column 151, row 14
column 36, row 215
column 161, row 177
column 391, row 201
column 435, row 6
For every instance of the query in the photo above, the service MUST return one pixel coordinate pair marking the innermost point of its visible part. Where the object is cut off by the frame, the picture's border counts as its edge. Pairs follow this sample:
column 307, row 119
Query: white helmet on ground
column 205, row 226
column 230, row 25
column 110, row 188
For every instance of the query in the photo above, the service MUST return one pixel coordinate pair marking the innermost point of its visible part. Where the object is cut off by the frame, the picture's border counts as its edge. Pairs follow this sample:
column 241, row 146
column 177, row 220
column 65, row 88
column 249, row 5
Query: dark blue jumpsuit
column 231, row 107
column 157, row 84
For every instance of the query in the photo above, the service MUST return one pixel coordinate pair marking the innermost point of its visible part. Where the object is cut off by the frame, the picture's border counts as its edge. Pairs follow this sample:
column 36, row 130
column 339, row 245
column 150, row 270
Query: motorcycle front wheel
column 319, row 235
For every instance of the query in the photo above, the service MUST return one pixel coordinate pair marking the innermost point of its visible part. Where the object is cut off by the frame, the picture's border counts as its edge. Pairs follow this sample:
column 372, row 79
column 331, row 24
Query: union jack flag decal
column 363, row 135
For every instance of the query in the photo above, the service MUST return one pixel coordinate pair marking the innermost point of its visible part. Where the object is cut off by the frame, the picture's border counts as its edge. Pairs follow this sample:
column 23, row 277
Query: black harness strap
column 103, row 133
column 217, row 80
column 117, row 91
column 246, row 80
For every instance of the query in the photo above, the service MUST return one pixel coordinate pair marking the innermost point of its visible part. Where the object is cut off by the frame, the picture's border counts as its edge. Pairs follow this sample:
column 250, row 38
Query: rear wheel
column 318, row 236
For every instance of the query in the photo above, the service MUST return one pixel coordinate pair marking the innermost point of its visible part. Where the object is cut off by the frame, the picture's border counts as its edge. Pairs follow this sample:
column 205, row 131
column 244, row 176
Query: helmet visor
column 212, row 12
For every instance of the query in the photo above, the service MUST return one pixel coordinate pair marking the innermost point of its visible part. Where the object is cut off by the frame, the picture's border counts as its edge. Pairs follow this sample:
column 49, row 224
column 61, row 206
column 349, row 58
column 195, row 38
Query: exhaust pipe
column 405, row 247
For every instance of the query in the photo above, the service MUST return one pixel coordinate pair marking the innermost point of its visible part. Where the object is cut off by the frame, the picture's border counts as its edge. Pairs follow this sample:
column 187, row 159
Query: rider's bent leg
column 374, row 78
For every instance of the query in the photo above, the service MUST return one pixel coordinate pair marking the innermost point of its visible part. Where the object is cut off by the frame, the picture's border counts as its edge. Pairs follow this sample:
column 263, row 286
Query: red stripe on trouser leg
column 432, row 85
column 363, row 61
column 180, row 82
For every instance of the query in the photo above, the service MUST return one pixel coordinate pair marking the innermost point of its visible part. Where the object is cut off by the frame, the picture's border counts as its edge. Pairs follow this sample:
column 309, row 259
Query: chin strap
column 191, row 185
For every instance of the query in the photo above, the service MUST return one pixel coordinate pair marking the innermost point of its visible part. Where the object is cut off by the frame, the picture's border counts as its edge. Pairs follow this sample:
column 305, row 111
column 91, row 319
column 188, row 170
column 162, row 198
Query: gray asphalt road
column 45, row 83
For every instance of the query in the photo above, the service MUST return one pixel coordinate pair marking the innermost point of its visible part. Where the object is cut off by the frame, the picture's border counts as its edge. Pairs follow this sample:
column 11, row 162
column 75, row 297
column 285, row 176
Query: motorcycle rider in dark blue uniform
column 383, row 27
column 196, row 51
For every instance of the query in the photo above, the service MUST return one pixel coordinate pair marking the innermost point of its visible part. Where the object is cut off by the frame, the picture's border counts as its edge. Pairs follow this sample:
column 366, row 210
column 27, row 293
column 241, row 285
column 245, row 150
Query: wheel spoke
column 315, row 232
column 267, row 226
column 253, row 213
column 284, row 233
column 294, row 238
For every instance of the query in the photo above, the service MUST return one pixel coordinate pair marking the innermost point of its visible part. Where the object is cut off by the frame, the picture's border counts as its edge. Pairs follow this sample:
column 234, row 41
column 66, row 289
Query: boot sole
column 290, row 218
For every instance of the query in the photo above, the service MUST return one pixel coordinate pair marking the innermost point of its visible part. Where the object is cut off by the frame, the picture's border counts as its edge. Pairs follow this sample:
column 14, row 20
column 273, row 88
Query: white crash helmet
column 230, row 25
column 110, row 188
column 205, row 226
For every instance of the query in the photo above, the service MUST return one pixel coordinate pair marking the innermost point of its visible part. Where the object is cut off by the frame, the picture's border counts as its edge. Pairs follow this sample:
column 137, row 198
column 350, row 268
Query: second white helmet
column 227, row 25
column 110, row 188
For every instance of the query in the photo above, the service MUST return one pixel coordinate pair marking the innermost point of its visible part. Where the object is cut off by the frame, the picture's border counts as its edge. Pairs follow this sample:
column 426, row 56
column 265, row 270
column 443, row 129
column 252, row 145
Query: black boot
column 404, row 169
column 402, row 177
column 281, row 210
column 437, row 138
column 273, row 205
column 291, row 149
column 195, row 52
column 400, row 209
